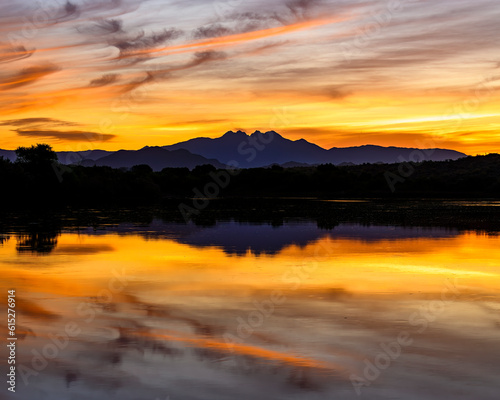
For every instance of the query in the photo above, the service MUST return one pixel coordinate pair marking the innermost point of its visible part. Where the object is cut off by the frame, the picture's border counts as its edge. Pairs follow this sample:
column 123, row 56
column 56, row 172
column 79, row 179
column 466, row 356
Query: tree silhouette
column 37, row 181
column 39, row 155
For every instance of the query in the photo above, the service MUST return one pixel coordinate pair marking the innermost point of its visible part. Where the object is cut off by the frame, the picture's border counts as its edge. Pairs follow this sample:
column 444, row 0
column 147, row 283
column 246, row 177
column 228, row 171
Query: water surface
column 248, row 310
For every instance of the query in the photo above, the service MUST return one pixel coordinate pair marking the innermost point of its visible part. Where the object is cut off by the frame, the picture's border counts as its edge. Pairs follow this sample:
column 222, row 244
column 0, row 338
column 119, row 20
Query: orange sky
column 122, row 74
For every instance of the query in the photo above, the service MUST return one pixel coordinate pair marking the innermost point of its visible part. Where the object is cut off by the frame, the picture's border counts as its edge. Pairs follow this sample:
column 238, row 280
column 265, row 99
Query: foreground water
column 239, row 310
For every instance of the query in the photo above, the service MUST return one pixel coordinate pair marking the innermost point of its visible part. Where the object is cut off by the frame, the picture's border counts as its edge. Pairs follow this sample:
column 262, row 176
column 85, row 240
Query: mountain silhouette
column 253, row 151
column 247, row 151
column 263, row 149
column 66, row 157
column 71, row 157
column 156, row 157
column 8, row 154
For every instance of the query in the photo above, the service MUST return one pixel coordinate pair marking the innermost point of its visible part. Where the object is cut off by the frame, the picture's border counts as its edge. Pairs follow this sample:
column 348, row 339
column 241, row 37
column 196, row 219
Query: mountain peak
column 232, row 134
column 268, row 133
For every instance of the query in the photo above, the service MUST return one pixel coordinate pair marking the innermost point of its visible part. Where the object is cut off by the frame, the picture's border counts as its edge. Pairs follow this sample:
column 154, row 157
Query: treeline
column 36, row 178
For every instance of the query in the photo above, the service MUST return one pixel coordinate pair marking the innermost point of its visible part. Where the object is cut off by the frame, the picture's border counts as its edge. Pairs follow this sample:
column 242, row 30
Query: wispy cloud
column 42, row 127
column 74, row 136
column 27, row 76
column 236, row 39
column 14, row 53
column 198, row 59
column 37, row 122
column 104, row 80
column 102, row 27
column 142, row 43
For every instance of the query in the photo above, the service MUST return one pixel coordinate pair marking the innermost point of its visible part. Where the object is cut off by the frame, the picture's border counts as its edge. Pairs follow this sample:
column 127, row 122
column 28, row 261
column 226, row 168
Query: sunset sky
column 114, row 74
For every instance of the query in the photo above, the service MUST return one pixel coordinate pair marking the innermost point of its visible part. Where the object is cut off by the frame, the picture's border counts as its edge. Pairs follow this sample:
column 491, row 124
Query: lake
column 156, row 308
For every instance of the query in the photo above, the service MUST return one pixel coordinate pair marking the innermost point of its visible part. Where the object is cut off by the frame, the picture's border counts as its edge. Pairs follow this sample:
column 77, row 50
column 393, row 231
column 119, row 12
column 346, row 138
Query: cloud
column 335, row 92
column 204, row 57
column 451, row 36
column 150, row 77
column 301, row 9
column 15, row 54
column 105, row 80
column 76, row 136
column 267, row 48
column 281, row 12
column 69, row 11
column 214, row 30
column 27, row 76
column 161, row 73
column 102, row 27
column 37, row 121
column 239, row 38
column 143, row 42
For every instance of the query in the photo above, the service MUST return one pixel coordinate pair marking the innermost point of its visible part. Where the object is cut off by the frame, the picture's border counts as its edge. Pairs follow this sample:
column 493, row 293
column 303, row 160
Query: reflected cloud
column 31, row 309
column 83, row 249
column 247, row 351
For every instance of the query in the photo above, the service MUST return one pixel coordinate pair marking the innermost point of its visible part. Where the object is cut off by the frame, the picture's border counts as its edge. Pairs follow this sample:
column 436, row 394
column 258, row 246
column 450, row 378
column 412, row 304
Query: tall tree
column 37, row 155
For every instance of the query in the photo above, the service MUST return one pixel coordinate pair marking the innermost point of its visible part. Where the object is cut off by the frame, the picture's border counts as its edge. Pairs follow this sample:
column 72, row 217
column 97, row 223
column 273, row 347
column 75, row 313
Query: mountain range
column 247, row 151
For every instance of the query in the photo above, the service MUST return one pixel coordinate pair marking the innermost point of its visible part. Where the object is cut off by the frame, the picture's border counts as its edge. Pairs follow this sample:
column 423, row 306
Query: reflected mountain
column 231, row 236
column 239, row 238
column 262, row 226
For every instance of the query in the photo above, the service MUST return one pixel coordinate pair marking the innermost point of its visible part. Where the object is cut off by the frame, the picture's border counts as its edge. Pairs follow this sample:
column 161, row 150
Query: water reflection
column 239, row 238
column 245, row 310
column 37, row 242
column 3, row 239
column 233, row 237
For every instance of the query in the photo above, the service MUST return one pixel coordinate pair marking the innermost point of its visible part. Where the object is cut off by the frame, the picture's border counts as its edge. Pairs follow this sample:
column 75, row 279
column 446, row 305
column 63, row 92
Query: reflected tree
column 37, row 242
column 4, row 239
